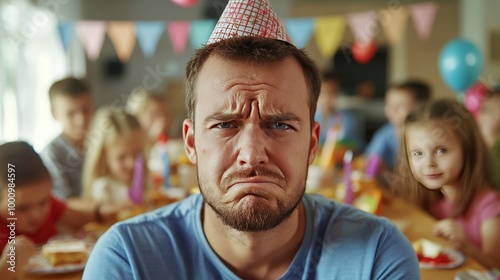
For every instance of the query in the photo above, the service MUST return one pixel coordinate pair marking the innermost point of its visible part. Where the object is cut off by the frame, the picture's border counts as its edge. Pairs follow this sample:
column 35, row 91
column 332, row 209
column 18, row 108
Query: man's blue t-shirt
column 340, row 242
column 384, row 144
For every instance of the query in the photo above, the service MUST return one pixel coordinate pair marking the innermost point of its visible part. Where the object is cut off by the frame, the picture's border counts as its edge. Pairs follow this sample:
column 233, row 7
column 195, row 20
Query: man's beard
column 254, row 216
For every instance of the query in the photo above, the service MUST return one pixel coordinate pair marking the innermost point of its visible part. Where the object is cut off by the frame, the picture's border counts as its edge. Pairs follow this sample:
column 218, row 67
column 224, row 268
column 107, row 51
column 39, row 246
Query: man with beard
column 251, row 132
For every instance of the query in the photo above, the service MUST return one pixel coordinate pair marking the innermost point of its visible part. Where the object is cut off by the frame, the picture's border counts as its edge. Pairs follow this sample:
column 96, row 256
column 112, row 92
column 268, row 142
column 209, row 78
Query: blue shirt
column 340, row 242
column 385, row 144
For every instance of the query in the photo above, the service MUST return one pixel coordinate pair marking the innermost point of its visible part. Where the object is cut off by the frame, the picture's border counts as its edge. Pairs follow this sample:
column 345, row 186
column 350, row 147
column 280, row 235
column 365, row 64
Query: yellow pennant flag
column 394, row 24
column 122, row 35
column 328, row 34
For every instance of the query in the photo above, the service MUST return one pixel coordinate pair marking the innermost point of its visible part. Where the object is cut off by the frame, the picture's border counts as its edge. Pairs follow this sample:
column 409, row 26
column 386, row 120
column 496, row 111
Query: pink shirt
column 485, row 205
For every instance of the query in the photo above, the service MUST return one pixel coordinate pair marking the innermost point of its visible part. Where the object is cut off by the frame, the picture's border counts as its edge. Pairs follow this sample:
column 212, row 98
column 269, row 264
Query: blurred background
column 121, row 45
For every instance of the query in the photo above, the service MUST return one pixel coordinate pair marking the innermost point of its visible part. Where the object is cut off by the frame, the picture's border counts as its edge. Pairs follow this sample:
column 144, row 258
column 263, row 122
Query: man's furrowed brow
column 221, row 116
column 282, row 117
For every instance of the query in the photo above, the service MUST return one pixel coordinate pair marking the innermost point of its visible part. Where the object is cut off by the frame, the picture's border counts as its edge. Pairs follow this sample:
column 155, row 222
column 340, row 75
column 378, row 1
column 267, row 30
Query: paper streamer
column 178, row 32
column 329, row 33
column 148, row 35
column 91, row 34
column 200, row 32
column 122, row 35
column 300, row 31
column 66, row 30
column 423, row 15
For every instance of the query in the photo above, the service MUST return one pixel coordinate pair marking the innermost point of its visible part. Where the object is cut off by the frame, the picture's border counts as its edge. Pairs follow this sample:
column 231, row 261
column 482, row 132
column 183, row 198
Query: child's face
column 74, row 114
column 32, row 206
column 398, row 105
column 435, row 155
column 121, row 155
column 154, row 119
column 488, row 118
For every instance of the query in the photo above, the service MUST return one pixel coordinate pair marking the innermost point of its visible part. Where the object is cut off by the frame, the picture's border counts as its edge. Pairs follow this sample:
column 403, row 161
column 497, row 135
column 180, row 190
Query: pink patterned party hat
column 248, row 18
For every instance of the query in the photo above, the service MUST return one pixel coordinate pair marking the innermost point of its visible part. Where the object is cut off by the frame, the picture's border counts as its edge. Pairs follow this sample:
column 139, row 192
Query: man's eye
column 225, row 125
column 281, row 126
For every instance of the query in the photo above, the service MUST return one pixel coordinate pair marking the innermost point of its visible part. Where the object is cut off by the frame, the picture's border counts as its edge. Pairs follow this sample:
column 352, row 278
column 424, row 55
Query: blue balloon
column 460, row 64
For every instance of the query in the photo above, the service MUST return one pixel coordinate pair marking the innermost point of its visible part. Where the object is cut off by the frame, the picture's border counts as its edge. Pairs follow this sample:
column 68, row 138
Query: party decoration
column 329, row 34
column 363, row 25
column 394, row 24
column 66, row 30
column 179, row 34
column 460, row 64
column 200, row 32
column 185, row 3
column 248, row 18
column 474, row 96
column 91, row 34
column 300, row 31
column 148, row 34
column 363, row 52
column 135, row 192
column 121, row 34
column 423, row 15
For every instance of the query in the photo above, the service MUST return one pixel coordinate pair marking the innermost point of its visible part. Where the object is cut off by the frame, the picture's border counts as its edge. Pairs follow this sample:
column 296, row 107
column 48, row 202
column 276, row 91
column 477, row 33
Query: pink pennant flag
column 122, row 35
column 394, row 24
column 423, row 15
column 91, row 34
column 179, row 33
column 364, row 25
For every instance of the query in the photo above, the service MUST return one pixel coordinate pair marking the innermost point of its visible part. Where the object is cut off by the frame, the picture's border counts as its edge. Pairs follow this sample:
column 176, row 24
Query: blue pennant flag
column 201, row 31
column 300, row 30
column 148, row 34
column 66, row 30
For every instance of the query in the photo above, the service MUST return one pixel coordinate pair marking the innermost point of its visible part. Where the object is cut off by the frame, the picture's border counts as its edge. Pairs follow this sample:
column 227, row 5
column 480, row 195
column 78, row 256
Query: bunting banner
column 148, row 35
column 300, row 31
column 122, row 35
column 201, row 31
column 394, row 25
column 363, row 25
column 91, row 34
column 423, row 15
column 328, row 34
column 178, row 33
column 66, row 29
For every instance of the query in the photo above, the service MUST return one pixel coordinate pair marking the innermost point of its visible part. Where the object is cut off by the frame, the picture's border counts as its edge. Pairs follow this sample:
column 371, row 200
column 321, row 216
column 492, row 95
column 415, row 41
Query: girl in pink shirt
column 444, row 162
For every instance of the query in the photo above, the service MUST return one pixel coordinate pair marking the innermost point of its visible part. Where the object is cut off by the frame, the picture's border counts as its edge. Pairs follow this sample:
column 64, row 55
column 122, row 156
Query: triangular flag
column 179, row 33
column 148, row 34
column 329, row 33
column 423, row 15
column 300, row 30
column 248, row 18
column 66, row 30
column 395, row 25
column 363, row 25
column 122, row 35
column 91, row 34
column 200, row 32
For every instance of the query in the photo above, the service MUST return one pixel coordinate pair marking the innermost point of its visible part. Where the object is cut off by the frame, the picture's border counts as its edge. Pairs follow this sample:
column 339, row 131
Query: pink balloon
column 185, row 3
column 474, row 96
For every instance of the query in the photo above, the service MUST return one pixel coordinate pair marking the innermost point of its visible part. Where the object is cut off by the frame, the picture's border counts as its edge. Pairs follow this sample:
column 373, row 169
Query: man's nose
column 252, row 146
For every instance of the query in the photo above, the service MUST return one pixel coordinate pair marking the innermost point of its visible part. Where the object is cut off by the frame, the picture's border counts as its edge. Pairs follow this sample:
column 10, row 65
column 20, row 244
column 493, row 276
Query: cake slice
column 65, row 252
column 427, row 248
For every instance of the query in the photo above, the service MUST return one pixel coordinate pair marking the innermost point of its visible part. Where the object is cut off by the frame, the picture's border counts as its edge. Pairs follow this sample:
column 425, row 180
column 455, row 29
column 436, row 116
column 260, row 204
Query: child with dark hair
column 25, row 181
column 72, row 106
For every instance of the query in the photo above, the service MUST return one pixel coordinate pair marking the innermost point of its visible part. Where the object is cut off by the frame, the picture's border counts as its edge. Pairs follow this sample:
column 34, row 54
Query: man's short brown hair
column 70, row 87
column 252, row 49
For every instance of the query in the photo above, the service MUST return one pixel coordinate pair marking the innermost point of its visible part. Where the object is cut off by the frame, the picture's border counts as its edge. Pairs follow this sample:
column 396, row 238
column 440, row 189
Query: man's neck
column 256, row 255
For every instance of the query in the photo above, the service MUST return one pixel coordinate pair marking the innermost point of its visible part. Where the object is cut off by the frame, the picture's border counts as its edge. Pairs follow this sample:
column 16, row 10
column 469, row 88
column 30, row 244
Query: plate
column 455, row 260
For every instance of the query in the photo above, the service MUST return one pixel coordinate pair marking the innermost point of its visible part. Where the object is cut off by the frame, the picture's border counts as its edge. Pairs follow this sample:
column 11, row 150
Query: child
column 115, row 141
column 400, row 101
column 25, row 187
column 72, row 106
column 444, row 163
column 488, row 120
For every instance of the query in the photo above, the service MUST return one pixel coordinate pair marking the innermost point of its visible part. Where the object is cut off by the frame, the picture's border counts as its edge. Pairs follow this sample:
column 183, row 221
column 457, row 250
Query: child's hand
column 452, row 231
column 24, row 248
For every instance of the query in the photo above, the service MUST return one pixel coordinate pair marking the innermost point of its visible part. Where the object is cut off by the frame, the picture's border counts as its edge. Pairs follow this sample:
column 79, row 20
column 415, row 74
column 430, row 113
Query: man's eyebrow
column 281, row 117
column 221, row 116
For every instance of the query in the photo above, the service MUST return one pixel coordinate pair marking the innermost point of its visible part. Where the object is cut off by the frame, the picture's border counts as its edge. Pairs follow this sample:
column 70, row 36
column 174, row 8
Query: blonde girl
column 114, row 142
column 444, row 163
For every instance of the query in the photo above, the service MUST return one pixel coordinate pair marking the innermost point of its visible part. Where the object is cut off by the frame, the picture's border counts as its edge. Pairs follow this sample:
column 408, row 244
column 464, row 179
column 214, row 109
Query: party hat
column 248, row 18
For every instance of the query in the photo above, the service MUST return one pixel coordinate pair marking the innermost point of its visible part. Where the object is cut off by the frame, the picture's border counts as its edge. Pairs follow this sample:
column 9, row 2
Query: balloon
column 185, row 3
column 474, row 97
column 363, row 52
column 460, row 64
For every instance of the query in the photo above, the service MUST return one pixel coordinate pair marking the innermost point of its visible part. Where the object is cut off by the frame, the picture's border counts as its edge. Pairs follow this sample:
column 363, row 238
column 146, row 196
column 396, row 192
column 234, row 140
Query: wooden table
column 419, row 225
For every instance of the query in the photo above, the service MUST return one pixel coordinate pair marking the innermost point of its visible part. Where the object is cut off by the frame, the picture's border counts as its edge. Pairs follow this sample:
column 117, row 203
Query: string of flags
column 327, row 32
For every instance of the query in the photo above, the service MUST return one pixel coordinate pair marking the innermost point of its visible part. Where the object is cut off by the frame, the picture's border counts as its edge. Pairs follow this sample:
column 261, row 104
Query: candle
column 349, row 192
column 136, row 190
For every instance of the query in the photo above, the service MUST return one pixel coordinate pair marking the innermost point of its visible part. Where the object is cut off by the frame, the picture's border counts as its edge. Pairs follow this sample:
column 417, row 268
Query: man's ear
column 188, row 136
column 313, row 145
